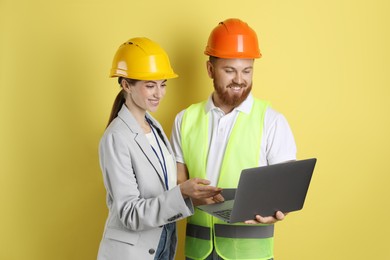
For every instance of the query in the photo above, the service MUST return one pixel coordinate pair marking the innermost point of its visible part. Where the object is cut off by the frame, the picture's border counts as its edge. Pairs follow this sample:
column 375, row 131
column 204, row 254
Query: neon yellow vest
column 236, row 241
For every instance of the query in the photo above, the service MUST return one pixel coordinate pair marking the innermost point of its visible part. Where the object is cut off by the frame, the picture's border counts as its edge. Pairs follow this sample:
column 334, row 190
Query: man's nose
column 238, row 78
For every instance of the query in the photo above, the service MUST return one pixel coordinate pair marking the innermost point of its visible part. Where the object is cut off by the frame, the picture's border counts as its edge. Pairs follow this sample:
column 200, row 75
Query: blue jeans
column 167, row 245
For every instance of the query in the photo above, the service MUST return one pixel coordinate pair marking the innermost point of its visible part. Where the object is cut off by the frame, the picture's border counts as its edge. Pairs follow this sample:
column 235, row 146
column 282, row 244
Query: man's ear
column 210, row 69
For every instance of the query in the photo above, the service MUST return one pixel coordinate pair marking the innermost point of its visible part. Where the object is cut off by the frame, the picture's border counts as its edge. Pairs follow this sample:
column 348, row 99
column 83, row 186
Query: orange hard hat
column 231, row 39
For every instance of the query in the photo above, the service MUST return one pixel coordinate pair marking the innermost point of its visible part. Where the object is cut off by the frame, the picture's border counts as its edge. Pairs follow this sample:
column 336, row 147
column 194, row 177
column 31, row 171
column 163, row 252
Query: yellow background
column 325, row 66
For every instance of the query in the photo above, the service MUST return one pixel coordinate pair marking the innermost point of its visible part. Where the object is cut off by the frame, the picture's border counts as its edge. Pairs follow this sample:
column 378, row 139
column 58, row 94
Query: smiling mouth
column 154, row 101
column 236, row 86
column 236, row 89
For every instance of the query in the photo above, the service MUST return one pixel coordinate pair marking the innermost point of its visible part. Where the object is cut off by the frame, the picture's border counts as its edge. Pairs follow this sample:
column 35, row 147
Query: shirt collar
column 244, row 107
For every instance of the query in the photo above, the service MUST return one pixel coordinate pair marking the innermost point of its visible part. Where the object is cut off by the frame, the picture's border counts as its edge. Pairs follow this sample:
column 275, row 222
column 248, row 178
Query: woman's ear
column 125, row 86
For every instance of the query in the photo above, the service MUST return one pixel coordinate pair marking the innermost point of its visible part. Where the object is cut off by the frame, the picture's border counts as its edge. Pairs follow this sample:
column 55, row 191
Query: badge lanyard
column 163, row 164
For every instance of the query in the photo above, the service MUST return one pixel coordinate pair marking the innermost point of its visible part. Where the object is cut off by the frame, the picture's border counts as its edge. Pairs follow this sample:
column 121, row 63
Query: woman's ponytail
column 118, row 103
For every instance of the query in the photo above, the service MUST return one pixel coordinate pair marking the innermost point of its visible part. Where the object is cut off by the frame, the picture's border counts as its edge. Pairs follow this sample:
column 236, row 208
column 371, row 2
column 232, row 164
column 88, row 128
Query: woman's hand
column 197, row 188
column 216, row 199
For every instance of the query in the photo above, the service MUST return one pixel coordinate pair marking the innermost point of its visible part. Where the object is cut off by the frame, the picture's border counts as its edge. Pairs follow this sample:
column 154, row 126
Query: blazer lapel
column 141, row 140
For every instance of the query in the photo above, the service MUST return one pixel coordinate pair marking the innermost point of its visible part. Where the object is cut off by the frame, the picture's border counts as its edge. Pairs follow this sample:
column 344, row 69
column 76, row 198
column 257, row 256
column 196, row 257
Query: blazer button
column 151, row 251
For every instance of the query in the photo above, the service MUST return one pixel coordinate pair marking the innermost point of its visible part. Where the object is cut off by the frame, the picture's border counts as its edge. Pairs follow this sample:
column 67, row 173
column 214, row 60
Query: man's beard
column 234, row 100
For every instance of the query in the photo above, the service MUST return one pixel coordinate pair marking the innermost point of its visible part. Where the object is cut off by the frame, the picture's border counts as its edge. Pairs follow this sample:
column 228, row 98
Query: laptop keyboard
column 224, row 213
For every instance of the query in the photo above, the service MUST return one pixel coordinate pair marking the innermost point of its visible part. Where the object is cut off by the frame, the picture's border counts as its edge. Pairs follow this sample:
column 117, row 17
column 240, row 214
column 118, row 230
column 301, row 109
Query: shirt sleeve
column 278, row 140
column 176, row 138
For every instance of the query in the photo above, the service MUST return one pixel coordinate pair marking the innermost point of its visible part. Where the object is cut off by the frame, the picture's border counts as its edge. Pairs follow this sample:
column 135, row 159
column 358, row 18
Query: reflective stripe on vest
column 198, row 232
column 247, row 231
column 242, row 151
column 232, row 231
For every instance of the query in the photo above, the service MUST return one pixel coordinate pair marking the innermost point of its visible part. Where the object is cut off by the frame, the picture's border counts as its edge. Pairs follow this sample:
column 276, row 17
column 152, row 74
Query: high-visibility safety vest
column 232, row 241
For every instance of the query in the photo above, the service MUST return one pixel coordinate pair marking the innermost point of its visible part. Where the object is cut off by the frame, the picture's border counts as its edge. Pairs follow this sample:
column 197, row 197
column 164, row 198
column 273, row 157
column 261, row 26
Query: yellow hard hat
column 142, row 59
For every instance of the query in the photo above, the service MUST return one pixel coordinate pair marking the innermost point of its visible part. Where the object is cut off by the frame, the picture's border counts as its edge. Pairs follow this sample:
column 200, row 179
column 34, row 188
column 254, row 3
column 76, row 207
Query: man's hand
column 279, row 216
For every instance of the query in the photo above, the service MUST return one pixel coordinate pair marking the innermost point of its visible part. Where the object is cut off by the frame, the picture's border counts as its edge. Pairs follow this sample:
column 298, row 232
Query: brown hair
column 119, row 100
column 213, row 59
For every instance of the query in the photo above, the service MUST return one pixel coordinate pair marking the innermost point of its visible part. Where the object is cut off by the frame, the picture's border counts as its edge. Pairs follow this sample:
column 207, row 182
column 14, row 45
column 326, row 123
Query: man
column 217, row 138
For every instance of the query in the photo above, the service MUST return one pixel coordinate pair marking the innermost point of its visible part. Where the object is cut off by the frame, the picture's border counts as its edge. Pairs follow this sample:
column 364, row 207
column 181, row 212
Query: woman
column 136, row 159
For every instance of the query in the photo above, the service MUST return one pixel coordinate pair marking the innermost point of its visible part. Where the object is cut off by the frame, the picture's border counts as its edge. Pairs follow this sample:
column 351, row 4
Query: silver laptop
column 265, row 190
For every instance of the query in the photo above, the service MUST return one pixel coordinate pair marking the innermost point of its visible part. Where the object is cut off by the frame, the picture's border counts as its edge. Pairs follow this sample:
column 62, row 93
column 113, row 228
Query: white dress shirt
column 277, row 144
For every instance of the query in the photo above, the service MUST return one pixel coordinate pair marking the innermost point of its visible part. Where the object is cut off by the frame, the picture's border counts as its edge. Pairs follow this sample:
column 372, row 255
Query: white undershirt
column 277, row 145
column 171, row 168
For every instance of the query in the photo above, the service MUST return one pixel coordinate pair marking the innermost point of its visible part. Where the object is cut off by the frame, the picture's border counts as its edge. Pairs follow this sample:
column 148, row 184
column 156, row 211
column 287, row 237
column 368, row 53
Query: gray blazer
column 138, row 202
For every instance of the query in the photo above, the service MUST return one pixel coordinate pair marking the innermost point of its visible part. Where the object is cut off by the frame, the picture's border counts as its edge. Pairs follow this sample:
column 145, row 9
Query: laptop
column 265, row 190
